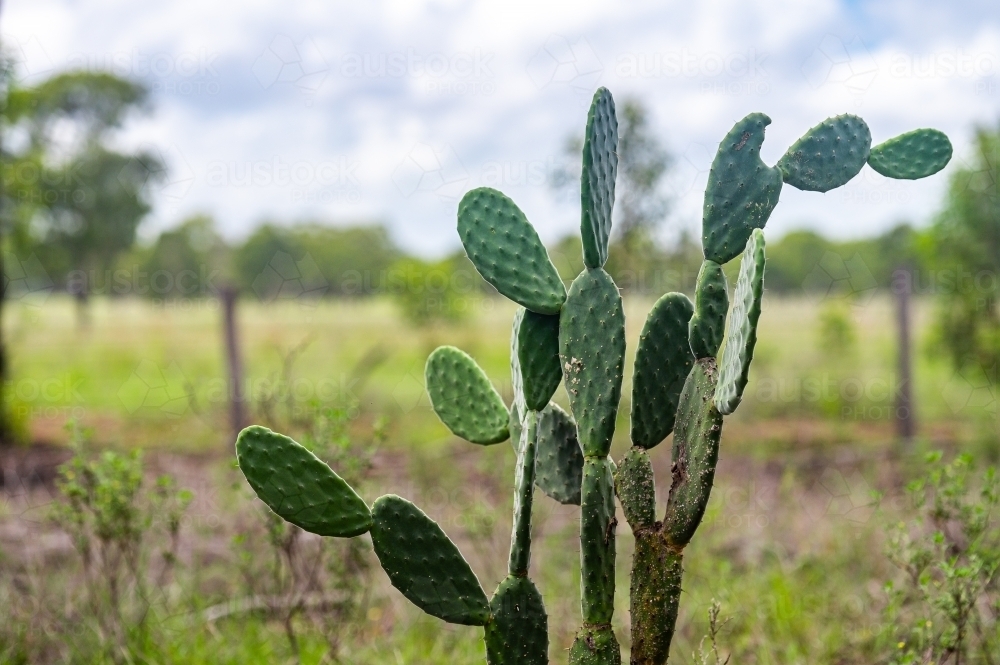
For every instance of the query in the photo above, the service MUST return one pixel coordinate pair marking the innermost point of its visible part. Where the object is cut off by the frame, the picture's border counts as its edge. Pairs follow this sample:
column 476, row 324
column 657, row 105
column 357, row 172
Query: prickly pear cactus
column 742, row 191
column 680, row 385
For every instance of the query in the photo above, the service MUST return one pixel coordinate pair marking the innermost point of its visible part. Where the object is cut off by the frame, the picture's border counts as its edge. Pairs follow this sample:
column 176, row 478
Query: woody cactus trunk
column 681, row 385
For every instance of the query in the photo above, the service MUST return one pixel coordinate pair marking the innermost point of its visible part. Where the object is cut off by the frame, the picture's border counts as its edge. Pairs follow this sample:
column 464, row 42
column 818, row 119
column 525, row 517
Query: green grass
column 791, row 544
column 154, row 376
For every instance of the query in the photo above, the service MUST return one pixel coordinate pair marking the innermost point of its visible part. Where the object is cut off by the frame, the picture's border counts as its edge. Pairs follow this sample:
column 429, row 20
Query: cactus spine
column 680, row 385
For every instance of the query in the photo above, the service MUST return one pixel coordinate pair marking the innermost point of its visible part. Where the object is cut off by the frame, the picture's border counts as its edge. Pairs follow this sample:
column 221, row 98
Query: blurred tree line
column 72, row 204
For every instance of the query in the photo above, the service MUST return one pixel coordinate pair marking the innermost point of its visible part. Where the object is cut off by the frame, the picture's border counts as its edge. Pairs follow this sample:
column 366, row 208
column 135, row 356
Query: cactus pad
column 597, row 541
column 695, row 453
column 592, row 353
column 535, row 350
column 507, row 252
column 741, row 336
column 299, row 487
column 636, row 488
column 518, row 633
column 463, row 397
column 662, row 362
column 742, row 190
column 524, row 491
column 559, row 458
column 912, row 155
column 597, row 181
column 711, row 297
column 423, row 563
column 595, row 646
column 828, row 155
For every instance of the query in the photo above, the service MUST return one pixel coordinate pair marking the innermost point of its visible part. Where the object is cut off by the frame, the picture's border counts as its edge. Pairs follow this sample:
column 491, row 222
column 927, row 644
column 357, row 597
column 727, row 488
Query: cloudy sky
column 390, row 110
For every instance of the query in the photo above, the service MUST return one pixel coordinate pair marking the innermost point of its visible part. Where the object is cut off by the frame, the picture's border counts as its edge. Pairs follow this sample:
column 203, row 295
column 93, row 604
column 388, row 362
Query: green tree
column 88, row 199
column 326, row 260
column 190, row 261
column 966, row 244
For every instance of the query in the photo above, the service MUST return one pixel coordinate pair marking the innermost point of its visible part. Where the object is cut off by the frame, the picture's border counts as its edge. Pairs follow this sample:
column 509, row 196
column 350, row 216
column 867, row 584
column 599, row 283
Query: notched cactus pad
column 592, row 353
column 559, row 458
column 828, row 155
column 535, row 349
column 742, row 190
column 507, row 252
column 463, row 397
column 662, row 362
column 741, row 335
column 708, row 325
column 912, row 155
column 518, row 633
column 423, row 563
column 597, row 181
column 299, row 487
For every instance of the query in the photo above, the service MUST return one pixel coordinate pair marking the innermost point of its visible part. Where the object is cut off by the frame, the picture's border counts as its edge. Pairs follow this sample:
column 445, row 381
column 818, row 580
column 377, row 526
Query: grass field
column 153, row 375
column 792, row 545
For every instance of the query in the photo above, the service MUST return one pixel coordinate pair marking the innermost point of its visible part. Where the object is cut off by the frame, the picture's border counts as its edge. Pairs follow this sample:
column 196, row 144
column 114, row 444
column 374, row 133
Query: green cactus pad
column 463, row 397
column 711, row 297
column 695, row 453
column 741, row 193
column 559, row 461
column 828, row 155
column 592, row 353
column 519, row 631
column 662, row 362
column 912, row 155
column 423, row 563
column 741, row 335
column 507, row 252
column 597, row 182
column 534, row 357
column 524, row 489
column 595, row 646
column 299, row 487
column 597, row 541
column 653, row 597
column 636, row 488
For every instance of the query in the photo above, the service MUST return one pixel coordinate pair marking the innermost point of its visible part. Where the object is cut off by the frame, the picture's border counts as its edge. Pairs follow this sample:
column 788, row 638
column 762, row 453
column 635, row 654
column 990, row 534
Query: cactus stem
column 524, row 485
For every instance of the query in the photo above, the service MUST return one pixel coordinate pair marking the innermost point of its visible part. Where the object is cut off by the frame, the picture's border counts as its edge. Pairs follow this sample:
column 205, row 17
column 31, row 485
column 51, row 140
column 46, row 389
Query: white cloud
column 353, row 91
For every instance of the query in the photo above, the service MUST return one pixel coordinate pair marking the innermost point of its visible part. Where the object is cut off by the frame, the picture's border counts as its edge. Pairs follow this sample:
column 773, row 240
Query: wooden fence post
column 902, row 287
column 237, row 413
